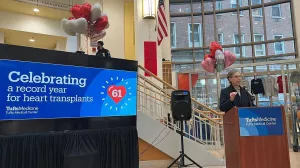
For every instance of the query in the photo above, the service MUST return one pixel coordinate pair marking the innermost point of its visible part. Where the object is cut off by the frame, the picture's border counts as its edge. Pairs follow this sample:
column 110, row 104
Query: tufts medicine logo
column 260, row 121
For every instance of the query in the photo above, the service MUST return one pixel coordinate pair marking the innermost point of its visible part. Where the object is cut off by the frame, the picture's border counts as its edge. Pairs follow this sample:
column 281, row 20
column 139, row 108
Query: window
column 236, row 40
column 173, row 35
column 220, row 38
column 259, row 49
column 278, row 46
column 234, row 5
column 257, row 12
column 197, row 35
column 218, row 5
column 276, row 10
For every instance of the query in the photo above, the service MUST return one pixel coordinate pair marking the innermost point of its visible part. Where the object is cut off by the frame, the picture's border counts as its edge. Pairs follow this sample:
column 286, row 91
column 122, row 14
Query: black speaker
column 181, row 105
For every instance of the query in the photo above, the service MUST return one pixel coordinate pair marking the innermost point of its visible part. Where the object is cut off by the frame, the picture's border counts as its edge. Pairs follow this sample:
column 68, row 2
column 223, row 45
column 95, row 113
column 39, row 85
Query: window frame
column 243, row 47
column 279, row 9
column 222, row 38
column 282, row 44
column 263, row 45
column 259, row 9
column 235, row 13
column 174, row 33
column 191, row 32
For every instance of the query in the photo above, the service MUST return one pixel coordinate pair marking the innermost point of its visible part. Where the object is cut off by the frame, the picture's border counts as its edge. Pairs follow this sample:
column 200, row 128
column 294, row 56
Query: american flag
column 162, row 27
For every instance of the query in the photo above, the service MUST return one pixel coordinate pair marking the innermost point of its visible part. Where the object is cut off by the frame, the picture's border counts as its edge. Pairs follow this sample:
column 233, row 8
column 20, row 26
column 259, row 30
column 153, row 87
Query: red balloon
column 183, row 81
column 214, row 46
column 81, row 11
column 71, row 18
column 101, row 23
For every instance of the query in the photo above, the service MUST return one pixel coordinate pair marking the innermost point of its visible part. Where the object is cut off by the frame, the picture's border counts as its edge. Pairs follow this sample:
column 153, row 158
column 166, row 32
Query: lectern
column 256, row 138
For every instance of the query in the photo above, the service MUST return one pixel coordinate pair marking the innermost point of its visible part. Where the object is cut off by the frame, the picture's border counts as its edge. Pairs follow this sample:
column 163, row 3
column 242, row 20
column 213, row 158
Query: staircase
column 203, row 140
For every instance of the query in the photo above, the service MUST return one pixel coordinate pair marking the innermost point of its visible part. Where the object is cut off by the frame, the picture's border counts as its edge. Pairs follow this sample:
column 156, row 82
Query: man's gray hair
column 231, row 72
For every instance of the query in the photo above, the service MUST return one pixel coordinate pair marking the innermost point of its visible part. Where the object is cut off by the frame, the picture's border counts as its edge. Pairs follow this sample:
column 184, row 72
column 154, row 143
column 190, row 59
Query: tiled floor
column 295, row 162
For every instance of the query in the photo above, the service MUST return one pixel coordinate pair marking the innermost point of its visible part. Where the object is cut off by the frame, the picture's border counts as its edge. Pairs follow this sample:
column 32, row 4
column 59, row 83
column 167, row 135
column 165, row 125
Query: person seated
column 102, row 52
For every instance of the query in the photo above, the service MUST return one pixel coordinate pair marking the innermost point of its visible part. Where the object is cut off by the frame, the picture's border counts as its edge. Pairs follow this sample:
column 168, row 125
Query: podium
column 256, row 138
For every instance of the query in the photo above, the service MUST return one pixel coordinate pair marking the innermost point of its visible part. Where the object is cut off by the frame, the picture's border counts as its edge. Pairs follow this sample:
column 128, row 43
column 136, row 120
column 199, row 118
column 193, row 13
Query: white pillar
column 71, row 44
column 1, row 38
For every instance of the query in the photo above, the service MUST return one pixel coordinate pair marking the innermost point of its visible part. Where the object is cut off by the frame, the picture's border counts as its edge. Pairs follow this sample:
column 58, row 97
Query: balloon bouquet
column 88, row 20
column 217, row 60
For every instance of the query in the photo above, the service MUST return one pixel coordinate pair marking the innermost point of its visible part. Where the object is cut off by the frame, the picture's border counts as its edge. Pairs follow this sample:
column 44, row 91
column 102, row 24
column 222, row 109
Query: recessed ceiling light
column 32, row 40
column 36, row 10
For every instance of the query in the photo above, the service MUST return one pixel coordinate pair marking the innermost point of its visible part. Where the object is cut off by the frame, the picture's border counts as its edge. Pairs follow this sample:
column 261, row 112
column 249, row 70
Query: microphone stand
column 249, row 95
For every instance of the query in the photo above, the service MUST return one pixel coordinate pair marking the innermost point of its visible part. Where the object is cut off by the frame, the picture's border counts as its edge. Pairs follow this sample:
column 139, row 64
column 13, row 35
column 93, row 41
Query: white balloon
column 65, row 24
column 95, row 12
column 79, row 25
column 219, row 55
column 103, row 14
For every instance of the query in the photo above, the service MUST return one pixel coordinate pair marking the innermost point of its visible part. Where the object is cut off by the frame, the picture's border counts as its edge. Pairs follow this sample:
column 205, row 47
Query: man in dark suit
column 235, row 95
column 102, row 52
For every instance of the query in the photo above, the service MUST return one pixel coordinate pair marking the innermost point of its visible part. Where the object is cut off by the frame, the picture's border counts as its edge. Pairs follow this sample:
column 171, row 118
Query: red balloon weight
column 183, row 81
column 101, row 23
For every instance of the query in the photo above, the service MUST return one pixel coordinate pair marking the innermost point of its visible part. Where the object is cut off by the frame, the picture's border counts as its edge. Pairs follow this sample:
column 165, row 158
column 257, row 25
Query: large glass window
column 194, row 24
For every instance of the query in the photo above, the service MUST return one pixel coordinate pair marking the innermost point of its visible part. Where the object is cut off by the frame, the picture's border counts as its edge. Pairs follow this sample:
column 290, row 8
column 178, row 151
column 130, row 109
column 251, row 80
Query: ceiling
column 19, row 6
column 22, row 39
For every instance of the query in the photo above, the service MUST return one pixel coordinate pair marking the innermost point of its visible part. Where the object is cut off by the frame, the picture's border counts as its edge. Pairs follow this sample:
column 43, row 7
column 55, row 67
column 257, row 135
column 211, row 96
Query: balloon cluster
column 217, row 60
column 86, row 19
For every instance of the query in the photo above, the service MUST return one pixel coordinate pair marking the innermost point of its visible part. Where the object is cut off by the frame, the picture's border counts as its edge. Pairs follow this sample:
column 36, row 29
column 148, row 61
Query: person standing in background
column 235, row 95
column 102, row 52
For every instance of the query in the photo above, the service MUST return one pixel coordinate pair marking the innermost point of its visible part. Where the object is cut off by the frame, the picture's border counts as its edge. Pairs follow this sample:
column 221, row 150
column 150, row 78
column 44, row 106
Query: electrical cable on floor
column 151, row 145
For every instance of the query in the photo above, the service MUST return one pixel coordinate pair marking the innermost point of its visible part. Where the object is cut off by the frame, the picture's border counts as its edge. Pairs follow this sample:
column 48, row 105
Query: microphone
column 251, row 96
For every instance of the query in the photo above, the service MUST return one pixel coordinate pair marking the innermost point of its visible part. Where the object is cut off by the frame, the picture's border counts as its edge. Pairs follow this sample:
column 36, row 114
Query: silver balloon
column 79, row 25
column 220, row 60
column 65, row 24
column 95, row 12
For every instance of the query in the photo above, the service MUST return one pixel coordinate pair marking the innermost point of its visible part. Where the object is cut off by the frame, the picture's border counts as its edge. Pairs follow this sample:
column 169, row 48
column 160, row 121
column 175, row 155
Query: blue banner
column 260, row 121
column 30, row 90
